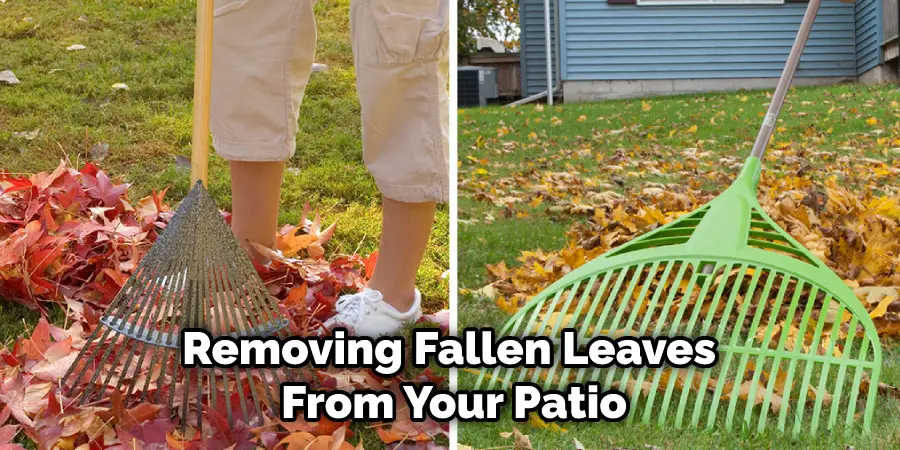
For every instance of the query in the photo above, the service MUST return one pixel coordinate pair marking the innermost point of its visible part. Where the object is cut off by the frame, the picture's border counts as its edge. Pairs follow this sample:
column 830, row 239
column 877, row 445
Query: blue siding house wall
column 869, row 34
column 599, row 41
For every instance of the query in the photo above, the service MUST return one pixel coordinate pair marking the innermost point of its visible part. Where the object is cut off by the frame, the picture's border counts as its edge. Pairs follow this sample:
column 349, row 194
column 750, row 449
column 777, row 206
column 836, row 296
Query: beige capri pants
column 263, row 52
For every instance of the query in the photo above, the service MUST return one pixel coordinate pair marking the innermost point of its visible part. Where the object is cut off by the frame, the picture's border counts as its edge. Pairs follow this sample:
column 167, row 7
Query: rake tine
column 673, row 329
column 639, row 302
column 537, row 371
column 209, row 293
column 742, row 361
column 829, row 355
column 116, row 304
column 163, row 305
column 239, row 324
column 689, row 378
column 225, row 327
column 89, row 389
column 758, row 367
column 188, row 320
column 141, row 321
column 497, row 371
column 249, row 375
column 200, row 310
column 648, row 315
column 801, row 339
column 627, row 299
column 575, row 315
column 85, row 355
column 586, row 324
column 266, row 313
column 178, row 290
column 528, row 331
column 807, row 373
column 854, row 393
column 88, row 354
column 776, row 364
column 539, row 330
column 241, row 306
column 267, row 317
column 610, row 300
column 664, row 312
column 748, row 298
column 839, row 383
column 711, row 313
column 273, row 372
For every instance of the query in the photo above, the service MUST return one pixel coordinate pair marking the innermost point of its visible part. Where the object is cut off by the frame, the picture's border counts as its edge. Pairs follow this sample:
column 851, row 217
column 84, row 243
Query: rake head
column 796, row 348
column 195, row 276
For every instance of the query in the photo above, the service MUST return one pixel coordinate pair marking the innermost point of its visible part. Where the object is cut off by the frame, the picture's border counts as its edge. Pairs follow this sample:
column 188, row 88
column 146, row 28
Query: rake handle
column 784, row 84
column 202, row 82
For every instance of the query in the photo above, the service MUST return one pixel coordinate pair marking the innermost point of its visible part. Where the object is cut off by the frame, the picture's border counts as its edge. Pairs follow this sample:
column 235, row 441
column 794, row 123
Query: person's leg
column 400, row 55
column 404, row 237
column 255, row 194
column 262, row 55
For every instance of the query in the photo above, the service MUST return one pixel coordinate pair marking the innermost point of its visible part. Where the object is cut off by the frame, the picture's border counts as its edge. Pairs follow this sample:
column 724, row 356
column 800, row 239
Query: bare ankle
column 254, row 255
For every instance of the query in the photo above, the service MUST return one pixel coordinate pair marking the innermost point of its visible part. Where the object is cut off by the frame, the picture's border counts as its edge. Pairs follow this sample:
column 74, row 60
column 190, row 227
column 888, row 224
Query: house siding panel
column 631, row 42
column 868, row 34
column 533, row 49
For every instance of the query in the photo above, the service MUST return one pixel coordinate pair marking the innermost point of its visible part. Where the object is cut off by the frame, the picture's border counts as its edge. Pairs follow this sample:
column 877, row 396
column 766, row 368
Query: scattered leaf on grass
column 8, row 77
column 99, row 151
column 27, row 135
column 536, row 421
column 520, row 441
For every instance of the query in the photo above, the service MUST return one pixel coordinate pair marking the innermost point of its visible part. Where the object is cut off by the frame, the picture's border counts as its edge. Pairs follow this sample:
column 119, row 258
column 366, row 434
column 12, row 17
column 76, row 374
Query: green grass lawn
column 856, row 122
column 149, row 45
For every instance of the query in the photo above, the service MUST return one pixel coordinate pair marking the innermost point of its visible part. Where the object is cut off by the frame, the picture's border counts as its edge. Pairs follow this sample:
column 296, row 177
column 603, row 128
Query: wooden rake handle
column 202, row 81
column 768, row 126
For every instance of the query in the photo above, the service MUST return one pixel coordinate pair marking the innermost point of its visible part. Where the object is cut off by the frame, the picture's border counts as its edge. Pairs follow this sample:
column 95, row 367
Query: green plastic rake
column 796, row 347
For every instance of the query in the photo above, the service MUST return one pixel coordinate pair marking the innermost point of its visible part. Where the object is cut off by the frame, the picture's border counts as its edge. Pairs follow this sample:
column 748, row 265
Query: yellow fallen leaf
column 882, row 307
column 536, row 421
column 290, row 244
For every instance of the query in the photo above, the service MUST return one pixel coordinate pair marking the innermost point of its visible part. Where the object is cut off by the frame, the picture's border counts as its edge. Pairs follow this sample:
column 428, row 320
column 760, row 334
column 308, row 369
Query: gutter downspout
column 548, row 42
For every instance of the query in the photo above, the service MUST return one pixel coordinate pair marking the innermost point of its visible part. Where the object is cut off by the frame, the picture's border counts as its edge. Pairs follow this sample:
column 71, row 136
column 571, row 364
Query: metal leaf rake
column 195, row 276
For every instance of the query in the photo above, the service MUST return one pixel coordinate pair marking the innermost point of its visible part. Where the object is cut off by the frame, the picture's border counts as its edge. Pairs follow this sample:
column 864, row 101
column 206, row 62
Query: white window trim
column 707, row 2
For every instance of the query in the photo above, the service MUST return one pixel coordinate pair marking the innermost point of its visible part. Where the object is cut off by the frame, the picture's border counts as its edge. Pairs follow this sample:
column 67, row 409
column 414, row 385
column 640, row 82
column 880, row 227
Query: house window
column 706, row 2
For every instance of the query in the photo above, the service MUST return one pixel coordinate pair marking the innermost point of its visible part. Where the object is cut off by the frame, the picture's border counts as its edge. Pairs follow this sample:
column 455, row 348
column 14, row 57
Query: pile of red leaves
column 73, row 237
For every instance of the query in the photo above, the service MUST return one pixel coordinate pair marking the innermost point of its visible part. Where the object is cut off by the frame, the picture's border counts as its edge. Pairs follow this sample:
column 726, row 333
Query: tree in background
column 497, row 19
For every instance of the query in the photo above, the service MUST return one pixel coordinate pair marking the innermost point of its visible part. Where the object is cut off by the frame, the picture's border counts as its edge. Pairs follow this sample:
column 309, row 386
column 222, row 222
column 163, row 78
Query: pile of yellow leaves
column 856, row 235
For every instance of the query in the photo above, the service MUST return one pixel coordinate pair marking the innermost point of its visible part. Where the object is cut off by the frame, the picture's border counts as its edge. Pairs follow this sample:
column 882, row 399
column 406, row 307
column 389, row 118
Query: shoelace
column 352, row 308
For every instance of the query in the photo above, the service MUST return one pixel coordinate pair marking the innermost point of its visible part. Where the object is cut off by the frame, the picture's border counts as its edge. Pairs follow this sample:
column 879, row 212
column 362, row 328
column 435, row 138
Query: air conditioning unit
column 475, row 85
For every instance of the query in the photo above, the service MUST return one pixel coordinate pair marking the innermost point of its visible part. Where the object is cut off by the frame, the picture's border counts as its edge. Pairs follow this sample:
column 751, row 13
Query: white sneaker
column 367, row 314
